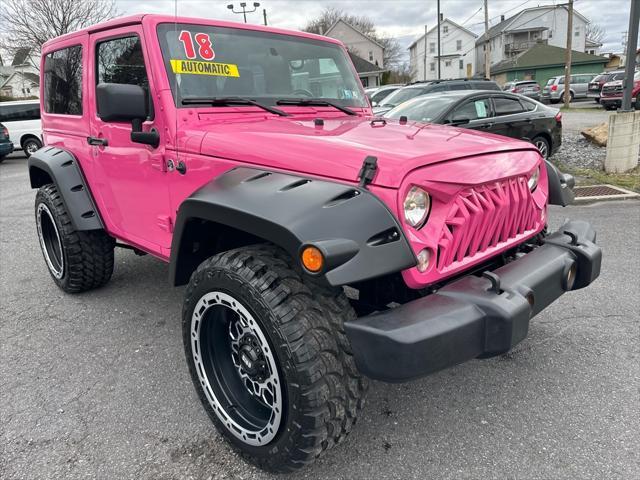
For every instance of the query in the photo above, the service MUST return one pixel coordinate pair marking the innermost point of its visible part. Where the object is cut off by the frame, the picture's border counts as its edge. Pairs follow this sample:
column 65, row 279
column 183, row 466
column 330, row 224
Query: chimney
column 502, row 18
column 441, row 17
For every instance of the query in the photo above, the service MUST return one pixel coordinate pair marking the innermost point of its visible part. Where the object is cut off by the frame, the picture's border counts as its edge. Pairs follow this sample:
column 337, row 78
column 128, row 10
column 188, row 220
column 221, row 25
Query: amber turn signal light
column 312, row 259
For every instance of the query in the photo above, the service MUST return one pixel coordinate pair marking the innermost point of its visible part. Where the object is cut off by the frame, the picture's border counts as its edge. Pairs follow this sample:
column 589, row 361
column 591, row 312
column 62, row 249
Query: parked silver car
column 553, row 91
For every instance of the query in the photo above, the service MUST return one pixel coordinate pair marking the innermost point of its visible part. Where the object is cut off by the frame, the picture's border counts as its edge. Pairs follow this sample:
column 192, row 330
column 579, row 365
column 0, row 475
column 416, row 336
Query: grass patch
column 588, row 176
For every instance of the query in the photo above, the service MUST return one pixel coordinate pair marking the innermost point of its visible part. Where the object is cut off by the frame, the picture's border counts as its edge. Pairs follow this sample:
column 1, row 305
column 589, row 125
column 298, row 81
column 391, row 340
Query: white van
column 22, row 119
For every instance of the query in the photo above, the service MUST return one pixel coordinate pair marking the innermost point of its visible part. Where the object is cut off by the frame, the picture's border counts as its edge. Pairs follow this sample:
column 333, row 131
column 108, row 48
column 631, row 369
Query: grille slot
column 484, row 217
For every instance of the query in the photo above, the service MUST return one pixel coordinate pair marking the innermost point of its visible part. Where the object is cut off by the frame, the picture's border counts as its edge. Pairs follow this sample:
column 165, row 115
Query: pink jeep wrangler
column 320, row 246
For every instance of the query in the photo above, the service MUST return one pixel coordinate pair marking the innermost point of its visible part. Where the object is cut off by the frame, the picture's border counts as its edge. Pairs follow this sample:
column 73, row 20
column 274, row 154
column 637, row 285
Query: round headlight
column 416, row 207
column 533, row 179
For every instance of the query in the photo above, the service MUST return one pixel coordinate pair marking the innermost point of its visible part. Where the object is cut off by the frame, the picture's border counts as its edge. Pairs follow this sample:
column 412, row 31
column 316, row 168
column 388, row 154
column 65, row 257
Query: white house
column 514, row 35
column 22, row 78
column 366, row 54
column 357, row 42
column 456, row 53
column 592, row 47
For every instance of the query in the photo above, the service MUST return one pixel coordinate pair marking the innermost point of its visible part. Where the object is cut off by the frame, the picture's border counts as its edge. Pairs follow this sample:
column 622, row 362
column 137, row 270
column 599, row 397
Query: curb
column 621, row 193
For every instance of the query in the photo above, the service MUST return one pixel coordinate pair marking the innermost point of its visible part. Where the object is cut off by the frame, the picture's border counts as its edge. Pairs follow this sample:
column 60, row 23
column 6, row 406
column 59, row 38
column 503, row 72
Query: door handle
column 486, row 125
column 97, row 141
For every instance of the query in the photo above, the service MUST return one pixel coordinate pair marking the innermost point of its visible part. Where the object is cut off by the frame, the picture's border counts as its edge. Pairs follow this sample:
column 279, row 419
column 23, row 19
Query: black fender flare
column 357, row 234
column 560, row 186
column 60, row 167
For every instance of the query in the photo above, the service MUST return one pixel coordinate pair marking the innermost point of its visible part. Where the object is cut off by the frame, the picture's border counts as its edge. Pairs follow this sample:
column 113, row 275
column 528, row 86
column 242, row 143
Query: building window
column 447, row 63
column 371, row 56
column 63, row 81
column 577, row 32
column 461, row 64
column 458, row 44
column 432, row 47
column 445, row 29
column 550, row 33
column 432, row 67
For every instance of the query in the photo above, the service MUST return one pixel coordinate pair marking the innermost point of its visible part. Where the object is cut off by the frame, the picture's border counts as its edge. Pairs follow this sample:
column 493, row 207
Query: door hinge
column 165, row 223
column 159, row 163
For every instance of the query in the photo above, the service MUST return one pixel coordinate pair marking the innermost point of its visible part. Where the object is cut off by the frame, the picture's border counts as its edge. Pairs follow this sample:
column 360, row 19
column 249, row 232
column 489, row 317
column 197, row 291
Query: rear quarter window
column 63, row 81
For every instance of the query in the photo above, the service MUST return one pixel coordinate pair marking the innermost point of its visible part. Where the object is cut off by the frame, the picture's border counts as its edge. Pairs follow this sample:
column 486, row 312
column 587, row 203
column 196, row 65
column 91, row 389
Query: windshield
column 402, row 95
column 206, row 61
column 422, row 109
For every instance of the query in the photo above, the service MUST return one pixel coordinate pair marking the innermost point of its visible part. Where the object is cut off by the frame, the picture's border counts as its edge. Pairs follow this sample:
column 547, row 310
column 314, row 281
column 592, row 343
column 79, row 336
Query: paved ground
column 96, row 386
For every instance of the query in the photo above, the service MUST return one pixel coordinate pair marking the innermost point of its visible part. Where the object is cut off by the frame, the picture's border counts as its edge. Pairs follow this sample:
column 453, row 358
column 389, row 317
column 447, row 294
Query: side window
column 529, row 106
column 63, row 81
column 458, row 86
column 472, row 110
column 20, row 112
column 506, row 106
column 121, row 61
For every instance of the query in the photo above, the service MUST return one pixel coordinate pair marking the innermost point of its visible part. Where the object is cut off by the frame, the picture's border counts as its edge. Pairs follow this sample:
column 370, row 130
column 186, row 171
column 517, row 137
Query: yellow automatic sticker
column 195, row 67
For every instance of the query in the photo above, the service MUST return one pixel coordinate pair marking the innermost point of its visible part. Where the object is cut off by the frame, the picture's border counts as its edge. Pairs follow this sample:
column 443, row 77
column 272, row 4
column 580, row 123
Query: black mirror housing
column 119, row 102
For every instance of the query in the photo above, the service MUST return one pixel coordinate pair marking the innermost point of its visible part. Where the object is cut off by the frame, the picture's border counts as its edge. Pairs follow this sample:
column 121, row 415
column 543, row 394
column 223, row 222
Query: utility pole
column 567, row 67
column 438, row 39
column 487, row 56
column 629, row 68
column 264, row 14
column 425, row 53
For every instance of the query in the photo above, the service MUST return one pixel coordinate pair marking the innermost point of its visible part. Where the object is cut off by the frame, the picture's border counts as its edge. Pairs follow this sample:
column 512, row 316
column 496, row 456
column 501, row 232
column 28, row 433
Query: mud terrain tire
column 77, row 260
column 302, row 334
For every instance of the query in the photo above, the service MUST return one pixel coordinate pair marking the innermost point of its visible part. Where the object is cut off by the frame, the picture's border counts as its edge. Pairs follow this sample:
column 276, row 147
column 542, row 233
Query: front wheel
column 77, row 260
column 31, row 145
column 269, row 358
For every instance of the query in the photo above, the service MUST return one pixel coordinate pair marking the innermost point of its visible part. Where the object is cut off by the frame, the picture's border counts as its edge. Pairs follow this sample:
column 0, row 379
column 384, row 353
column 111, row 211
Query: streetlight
column 244, row 11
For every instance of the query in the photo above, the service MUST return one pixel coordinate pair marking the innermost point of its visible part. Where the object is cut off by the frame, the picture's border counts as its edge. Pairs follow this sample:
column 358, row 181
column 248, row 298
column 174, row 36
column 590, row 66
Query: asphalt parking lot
column 96, row 385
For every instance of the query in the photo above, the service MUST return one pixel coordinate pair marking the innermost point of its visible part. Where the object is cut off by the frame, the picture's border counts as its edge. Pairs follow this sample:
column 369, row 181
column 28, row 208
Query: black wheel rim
column 236, row 368
column 50, row 240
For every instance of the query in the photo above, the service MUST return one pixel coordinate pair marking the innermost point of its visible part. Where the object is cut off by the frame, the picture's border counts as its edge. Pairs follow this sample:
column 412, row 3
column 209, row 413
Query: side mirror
column 119, row 102
column 459, row 121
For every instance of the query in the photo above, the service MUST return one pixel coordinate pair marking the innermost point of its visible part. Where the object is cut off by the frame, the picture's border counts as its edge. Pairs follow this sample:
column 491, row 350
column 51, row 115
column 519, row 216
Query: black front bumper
column 474, row 317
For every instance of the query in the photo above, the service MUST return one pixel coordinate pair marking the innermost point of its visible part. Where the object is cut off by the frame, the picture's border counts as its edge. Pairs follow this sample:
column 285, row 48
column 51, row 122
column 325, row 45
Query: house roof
column 542, row 55
column 363, row 66
column 591, row 43
column 31, row 77
column 21, row 57
column 503, row 26
column 327, row 33
column 446, row 20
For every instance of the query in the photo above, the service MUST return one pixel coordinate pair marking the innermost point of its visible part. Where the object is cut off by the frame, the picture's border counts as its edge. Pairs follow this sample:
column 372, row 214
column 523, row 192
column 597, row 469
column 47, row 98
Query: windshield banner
column 195, row 67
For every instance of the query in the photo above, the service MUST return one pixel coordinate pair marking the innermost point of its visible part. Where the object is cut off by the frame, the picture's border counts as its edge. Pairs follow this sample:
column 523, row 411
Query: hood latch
column 368, row 171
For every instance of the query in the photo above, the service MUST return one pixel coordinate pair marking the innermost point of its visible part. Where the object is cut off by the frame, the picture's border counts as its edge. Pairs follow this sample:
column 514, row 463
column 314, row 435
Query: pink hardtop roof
column 153, row 19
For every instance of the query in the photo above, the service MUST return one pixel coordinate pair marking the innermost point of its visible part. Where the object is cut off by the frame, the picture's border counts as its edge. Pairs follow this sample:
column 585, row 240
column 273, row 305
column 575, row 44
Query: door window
column 121, row 61
column 506, row 106
column 472, row 110
column 63, row 81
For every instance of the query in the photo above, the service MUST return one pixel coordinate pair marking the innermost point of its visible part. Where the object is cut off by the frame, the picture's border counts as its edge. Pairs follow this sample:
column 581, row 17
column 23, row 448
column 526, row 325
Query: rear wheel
column 77, row 260
column 542, row 144
column 269, row 357
column 31, row 145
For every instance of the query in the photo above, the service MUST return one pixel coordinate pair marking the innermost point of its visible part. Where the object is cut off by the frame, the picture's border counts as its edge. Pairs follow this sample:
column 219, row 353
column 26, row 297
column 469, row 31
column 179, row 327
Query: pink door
column 131, row 177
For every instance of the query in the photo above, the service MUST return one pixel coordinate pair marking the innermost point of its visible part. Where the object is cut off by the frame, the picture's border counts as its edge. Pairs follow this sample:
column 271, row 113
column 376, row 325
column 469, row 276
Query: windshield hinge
column 368, row 171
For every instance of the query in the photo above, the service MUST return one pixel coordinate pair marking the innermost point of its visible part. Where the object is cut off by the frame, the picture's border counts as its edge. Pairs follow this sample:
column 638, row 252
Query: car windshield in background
column 217, row 62
column 423, row 109
column 399, row 96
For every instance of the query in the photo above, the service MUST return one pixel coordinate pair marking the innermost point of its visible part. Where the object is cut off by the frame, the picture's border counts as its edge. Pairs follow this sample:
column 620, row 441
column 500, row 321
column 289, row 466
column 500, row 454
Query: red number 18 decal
column 205, row 49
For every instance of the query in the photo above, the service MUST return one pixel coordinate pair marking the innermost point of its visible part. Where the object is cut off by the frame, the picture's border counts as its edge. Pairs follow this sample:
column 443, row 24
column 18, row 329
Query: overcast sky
column 403, row 19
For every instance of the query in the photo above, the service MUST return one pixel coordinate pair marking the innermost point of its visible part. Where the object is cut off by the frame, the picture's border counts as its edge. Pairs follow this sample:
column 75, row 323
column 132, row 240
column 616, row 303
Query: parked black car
column 422, row 88
column 6, row 145
column 496, row 112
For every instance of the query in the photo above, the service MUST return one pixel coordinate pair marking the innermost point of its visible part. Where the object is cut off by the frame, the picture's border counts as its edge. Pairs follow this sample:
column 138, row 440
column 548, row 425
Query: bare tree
column 595, row 32
column 30, row 23
column 330, row 15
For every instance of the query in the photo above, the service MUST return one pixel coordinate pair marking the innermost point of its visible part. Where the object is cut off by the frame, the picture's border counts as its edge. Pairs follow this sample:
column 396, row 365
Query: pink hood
column 338, row 148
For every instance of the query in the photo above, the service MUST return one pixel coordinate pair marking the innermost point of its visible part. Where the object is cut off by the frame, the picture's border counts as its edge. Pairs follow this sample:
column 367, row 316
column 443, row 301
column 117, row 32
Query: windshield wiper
column 226, row 101
column 315, row 102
